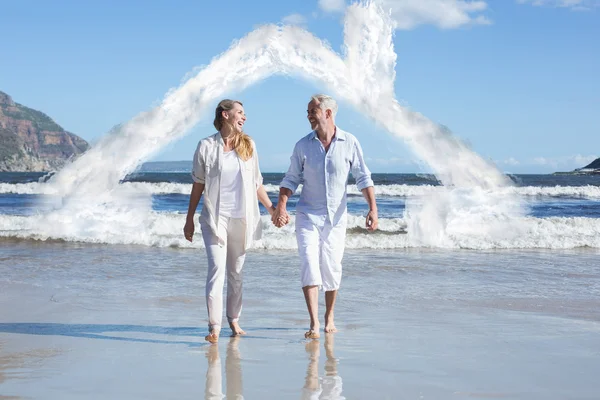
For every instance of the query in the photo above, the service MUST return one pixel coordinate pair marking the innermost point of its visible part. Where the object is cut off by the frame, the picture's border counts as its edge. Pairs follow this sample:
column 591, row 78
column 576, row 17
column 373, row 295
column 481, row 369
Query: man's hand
column 188, row 231
column 372, row 221
column 280, row 217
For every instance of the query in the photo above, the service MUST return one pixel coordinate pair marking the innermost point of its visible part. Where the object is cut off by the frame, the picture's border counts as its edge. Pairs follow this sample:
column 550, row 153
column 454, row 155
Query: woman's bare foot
column 235, row 329
column 329, row 324
column 313, row 332
column 212, row 337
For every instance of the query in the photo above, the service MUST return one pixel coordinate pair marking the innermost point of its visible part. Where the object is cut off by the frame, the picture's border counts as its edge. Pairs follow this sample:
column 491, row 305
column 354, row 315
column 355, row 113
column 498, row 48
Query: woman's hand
column 188, row 231
column 280, row 217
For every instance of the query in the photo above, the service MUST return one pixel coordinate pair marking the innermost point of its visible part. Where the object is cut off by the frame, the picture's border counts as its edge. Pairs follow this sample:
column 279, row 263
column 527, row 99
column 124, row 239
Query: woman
column 226, row 171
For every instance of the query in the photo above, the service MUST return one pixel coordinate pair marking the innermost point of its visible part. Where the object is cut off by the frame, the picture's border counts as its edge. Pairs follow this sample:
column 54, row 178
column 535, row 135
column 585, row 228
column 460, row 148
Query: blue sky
column 516, row 79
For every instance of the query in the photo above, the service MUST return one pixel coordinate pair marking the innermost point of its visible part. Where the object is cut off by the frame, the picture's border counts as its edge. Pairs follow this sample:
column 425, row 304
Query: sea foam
column 394, row 190
column 165, row 230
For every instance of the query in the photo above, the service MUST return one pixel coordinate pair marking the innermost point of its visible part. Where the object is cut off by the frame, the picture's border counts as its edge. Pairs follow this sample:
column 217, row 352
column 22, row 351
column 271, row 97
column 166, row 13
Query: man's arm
column 362, row 175
column 280, row 216
column 288, row 186
column 372, row 221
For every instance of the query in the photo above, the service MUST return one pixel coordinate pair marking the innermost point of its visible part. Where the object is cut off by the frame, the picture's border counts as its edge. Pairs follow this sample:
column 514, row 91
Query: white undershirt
column 231, row 203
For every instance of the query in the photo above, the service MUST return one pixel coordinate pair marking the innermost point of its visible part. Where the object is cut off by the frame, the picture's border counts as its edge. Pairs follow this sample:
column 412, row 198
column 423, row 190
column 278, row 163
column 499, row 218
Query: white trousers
column 321, row 248
column 228, row 256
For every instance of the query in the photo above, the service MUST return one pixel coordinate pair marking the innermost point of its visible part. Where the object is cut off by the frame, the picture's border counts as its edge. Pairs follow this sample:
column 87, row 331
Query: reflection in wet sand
column 330, row 386
column 11, row 363
column 233, row 372
column 332, row 382
column 213, row 387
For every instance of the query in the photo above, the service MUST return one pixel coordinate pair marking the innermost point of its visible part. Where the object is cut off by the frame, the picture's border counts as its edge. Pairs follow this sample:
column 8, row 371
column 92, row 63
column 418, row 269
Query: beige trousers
column 224, row 258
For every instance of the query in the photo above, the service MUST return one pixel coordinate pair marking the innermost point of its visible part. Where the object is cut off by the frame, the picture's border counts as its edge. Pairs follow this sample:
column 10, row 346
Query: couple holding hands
column 226, row 171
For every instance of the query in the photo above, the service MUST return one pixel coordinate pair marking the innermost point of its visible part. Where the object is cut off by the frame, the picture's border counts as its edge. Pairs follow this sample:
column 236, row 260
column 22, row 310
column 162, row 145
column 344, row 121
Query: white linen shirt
column 206, row 169
column 324, row 174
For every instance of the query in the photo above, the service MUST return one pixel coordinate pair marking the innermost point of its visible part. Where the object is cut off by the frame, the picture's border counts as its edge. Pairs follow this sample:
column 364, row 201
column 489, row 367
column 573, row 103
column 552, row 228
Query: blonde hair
column 242, row 143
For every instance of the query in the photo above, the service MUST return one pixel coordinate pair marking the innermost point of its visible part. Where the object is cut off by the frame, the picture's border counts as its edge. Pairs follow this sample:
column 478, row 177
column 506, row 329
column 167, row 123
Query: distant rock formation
column 590, row 169
column 32, row 141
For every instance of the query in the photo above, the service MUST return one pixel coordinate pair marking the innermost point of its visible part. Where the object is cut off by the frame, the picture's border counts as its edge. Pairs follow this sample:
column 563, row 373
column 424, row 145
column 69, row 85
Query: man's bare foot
column 212, row 337
column 235, row 329
column 329, row 324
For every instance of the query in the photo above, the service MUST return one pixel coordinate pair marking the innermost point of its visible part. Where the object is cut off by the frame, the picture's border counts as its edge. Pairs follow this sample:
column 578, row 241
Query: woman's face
column 235, row 117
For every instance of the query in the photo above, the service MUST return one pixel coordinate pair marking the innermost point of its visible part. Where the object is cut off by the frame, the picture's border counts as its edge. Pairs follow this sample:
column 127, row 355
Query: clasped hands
column 279, row 216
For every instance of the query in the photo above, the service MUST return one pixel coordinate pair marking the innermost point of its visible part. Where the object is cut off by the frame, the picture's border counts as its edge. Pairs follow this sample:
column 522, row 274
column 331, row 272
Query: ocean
column 108, row 302
column 555, row 211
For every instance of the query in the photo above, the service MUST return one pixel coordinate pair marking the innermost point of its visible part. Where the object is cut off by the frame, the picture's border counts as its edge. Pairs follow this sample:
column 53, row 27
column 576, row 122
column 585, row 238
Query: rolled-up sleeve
column 360, row 172
column 258, row 179
column 293, row 177
column 198, row 170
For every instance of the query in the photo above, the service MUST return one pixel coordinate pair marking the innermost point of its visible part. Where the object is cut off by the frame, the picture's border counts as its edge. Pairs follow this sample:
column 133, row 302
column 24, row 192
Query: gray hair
column 326, row 103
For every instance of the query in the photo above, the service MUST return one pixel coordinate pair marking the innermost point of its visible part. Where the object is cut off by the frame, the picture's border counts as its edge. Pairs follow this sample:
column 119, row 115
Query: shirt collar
column 219, row 139
column 339, row 134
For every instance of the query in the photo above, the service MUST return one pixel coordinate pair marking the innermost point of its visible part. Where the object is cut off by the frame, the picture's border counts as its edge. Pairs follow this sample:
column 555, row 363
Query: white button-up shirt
column 324, row 174
column 206, row 169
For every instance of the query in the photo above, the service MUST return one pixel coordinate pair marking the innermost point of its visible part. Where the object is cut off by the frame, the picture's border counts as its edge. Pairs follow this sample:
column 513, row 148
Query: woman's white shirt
column 207, row 169
column 231, row 202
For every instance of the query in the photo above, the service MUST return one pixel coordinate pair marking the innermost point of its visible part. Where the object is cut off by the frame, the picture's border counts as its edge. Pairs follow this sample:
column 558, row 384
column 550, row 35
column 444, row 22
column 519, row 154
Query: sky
column 518, row 80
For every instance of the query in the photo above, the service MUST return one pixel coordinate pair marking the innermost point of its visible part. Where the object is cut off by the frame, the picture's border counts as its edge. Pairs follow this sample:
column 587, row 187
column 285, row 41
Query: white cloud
column 582, row 161
column 542, row 161
column 575, row 5
column 574, row 161
column 511, row 161
column 294, row 19
column 445, row 14
column 408, row 14
column 390, row 161
column 332, row 5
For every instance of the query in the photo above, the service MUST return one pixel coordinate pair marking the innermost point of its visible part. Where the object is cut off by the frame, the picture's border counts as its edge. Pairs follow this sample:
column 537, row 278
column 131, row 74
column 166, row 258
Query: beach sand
column 81, row 321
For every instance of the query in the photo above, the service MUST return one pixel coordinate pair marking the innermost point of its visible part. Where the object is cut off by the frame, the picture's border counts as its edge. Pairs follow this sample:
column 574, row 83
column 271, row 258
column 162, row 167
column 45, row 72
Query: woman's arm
column 263, row 197
column 188, row 229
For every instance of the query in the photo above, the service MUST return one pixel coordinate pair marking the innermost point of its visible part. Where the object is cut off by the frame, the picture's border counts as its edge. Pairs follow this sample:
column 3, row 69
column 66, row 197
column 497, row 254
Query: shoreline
column 105, row 321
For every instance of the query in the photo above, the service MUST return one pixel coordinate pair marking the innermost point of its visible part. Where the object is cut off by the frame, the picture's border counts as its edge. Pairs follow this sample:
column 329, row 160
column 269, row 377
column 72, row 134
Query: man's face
column 316, row 116
column 236, row 117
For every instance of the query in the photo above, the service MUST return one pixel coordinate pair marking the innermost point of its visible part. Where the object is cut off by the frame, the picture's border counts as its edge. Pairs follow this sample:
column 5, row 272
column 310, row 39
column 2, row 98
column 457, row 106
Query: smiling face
column 235, row 118
column 317, row 116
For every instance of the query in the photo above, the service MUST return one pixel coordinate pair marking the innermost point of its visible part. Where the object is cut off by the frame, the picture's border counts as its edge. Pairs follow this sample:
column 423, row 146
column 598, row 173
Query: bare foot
column 329, row 324
column 235, row 329
column 212, row 337
column 313, row 332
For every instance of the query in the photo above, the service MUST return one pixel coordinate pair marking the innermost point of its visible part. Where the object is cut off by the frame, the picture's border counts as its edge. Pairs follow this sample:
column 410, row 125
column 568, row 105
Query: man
column 321, row 161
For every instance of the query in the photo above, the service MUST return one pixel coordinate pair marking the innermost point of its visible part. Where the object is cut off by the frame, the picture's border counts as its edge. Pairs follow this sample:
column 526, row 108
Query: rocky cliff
column 32, row 141
column 594, row 166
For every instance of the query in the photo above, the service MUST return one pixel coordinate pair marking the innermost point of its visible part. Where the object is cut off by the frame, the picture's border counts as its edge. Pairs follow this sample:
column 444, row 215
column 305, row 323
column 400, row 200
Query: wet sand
column 98, row 322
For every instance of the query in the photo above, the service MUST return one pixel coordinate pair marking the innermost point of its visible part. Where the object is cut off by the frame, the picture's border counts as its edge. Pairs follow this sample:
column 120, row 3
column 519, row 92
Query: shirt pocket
column 212, row 167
